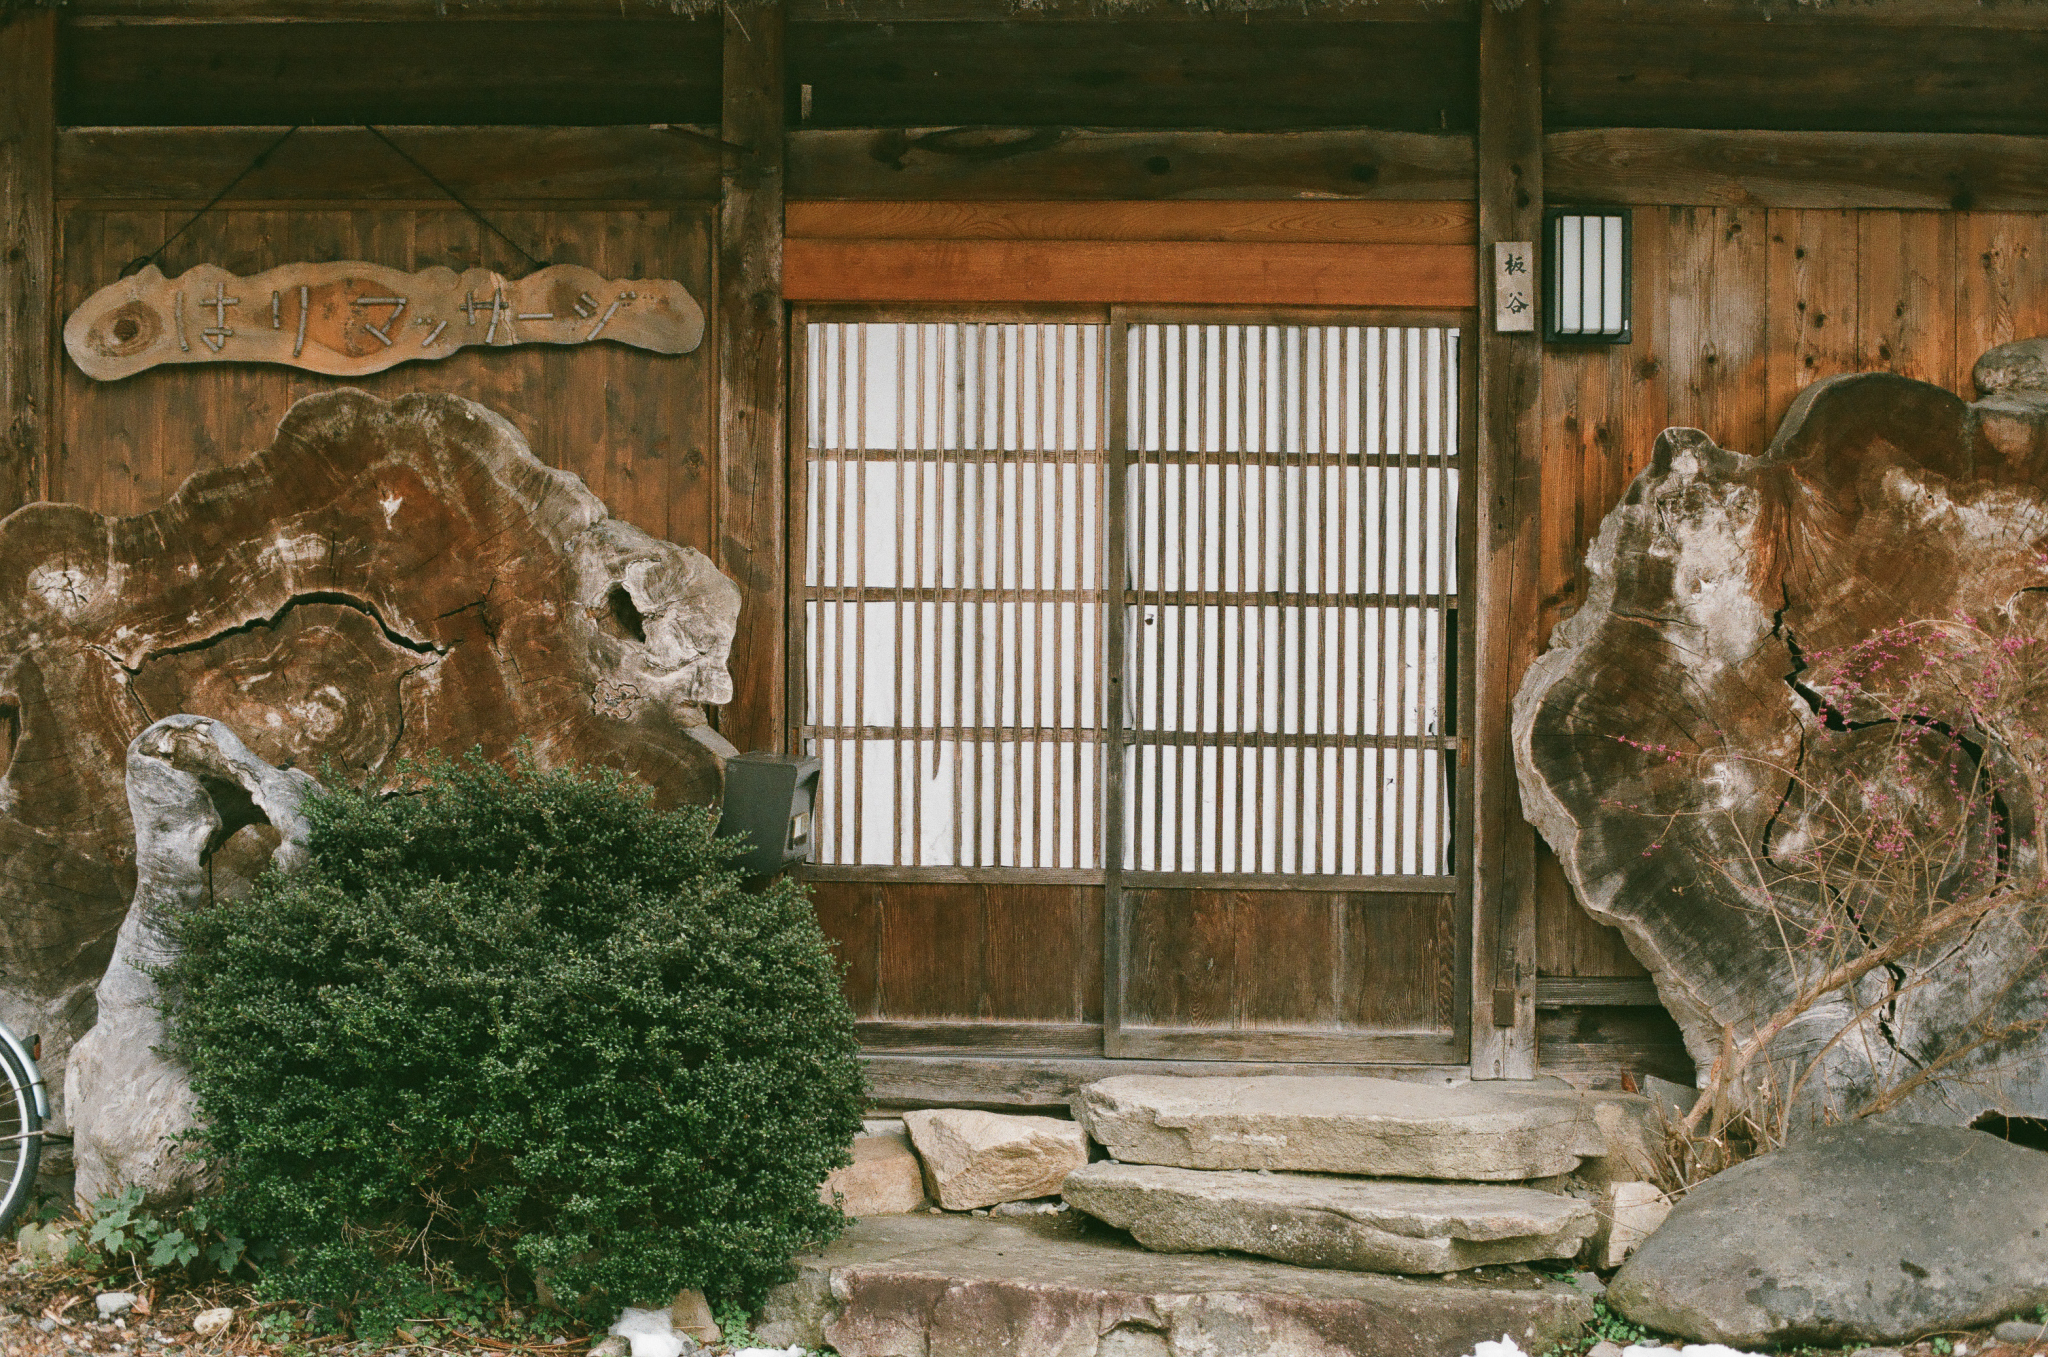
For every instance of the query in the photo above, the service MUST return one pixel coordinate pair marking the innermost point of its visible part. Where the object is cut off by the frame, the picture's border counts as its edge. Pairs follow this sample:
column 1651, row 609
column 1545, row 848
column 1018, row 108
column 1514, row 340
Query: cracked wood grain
column 384, row 582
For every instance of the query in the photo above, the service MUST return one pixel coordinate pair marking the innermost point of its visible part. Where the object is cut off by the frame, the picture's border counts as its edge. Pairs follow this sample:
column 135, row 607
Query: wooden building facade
column 1081, row 207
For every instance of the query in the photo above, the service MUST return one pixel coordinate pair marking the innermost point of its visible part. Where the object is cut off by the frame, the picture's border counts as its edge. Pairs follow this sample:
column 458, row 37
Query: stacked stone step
column 1362, row 1174
column 1370, row 1175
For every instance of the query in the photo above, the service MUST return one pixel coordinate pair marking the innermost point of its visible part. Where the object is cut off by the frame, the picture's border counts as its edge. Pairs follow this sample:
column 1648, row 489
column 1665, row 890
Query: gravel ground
column 49, row 1312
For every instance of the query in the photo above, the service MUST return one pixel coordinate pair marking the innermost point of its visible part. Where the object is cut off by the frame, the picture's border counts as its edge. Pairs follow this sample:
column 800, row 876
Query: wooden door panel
column 1256, row 971
column 997, row 963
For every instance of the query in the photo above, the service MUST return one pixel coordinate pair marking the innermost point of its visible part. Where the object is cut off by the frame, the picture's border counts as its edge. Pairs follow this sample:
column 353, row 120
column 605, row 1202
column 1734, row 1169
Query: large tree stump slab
column 385, row 580
column 1728, row 596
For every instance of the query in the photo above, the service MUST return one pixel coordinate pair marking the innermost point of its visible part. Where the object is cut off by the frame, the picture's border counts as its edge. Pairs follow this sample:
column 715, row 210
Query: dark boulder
column 1861, row 1234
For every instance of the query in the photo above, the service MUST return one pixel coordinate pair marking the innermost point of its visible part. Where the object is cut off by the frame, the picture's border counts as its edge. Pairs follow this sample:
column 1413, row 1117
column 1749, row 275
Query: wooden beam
column 521, row 72
column 1285, row 221
column 971, row 1080
column 1679, row 70
column 484, row 164
column 1236, row 12
column 753, row 372
column 1510, row 192
column 798, row 11
column 28, row 66
column 1838, row 13
column 1428, row 276
column 1137, row 73
column 1688, row 168
column 980, row 163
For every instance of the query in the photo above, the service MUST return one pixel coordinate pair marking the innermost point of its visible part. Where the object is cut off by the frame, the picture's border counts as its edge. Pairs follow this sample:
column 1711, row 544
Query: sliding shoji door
column 1131, row 651
column 1287, row 813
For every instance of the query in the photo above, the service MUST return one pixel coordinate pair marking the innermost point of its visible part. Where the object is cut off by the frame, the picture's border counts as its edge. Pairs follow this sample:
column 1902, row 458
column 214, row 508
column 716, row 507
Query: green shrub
column 509, row 1026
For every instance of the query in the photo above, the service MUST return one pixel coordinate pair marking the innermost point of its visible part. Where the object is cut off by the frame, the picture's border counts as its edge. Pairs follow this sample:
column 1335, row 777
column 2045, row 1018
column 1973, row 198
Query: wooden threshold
column 1315, row 1046
column 956, row 1079
column 983, row 1035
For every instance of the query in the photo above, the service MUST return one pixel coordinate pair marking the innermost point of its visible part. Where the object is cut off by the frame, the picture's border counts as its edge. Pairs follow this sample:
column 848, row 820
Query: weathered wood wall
column 1736, row 311
column 636, row 426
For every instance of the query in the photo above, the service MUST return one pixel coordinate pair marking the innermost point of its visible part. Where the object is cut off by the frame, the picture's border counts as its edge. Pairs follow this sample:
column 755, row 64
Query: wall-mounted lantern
column 773, row 800
column 1586, row 275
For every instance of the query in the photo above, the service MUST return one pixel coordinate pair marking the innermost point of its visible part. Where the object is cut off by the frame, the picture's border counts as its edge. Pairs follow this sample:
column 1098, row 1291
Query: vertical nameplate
column 1514, row 286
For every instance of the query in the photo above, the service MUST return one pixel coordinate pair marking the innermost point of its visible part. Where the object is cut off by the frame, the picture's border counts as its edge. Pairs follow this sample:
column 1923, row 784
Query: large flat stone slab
column 976, row 1159
column 1861, row 1234
column 1380, row 1128
column 1363, row 1224
column 954, row 1286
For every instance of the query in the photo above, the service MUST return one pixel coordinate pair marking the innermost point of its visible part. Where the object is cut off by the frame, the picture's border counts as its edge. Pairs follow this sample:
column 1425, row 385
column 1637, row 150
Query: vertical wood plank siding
column 636, row 426
column 1509, row 501
column 1737, row 310
column 753, row 364
column 28, row 141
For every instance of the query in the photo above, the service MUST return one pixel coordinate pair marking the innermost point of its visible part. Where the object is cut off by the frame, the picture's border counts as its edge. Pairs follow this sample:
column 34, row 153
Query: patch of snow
column 649, row 1332
column 1504, row 1348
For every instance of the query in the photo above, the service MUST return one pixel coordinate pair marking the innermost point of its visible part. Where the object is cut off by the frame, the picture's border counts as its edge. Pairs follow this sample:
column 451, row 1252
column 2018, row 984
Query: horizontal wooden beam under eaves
column 1424, row 177
column 1955, row 13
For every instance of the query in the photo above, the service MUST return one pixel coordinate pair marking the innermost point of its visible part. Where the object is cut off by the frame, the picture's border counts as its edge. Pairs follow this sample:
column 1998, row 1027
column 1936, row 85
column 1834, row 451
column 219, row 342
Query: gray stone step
column 1062, row 1286
column 1362, row 1224
column 1379, row 1128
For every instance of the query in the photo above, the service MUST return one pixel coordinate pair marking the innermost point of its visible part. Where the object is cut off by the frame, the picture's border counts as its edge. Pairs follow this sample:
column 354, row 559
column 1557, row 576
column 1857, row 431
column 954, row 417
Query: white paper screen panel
column 1292, row 538
column 952, row 592
column 1590, row 261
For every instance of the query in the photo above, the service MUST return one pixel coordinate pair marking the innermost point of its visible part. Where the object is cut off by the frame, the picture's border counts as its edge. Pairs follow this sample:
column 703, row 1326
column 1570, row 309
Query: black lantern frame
column 1578, row 272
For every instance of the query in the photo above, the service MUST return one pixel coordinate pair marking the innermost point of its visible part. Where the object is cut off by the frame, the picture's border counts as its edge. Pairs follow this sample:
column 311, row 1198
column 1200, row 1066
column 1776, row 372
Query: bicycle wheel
column 21, row 1136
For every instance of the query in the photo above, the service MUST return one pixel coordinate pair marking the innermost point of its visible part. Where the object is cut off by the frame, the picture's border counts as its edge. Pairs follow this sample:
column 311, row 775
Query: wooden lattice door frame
column 1446, row 1043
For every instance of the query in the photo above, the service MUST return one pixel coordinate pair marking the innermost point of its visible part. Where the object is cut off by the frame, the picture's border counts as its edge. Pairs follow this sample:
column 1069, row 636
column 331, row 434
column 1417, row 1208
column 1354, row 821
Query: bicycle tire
column 21, row 1138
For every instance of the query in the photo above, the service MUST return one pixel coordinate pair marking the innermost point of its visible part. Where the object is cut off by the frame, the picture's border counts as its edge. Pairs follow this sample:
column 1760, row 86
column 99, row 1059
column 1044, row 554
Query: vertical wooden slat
column 923, row 695
column 854, row 566
column 1032, row 548
column 752, row 344
column 1195, row 557
column 1154, row 405
column 1315, row 359
column 1810, row 308
column 802, row 645
column 1509, row 154
column 1348, row 584
column 1391, row 348
column 1272, row 555
column 1906, row 290
column 28, row 260
column 1295, row 355
column 1066, row 754
column 835, row 576
column 1247, row 580
column 955, row 714
column 1115, row 438
column 1447, row 587
column 1413, row 431
column 1009, row 662
column 2001, row 293
column 901, row 611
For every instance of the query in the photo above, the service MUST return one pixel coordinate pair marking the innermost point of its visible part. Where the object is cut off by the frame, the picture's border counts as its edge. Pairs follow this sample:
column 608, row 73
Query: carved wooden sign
column 349, row 319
